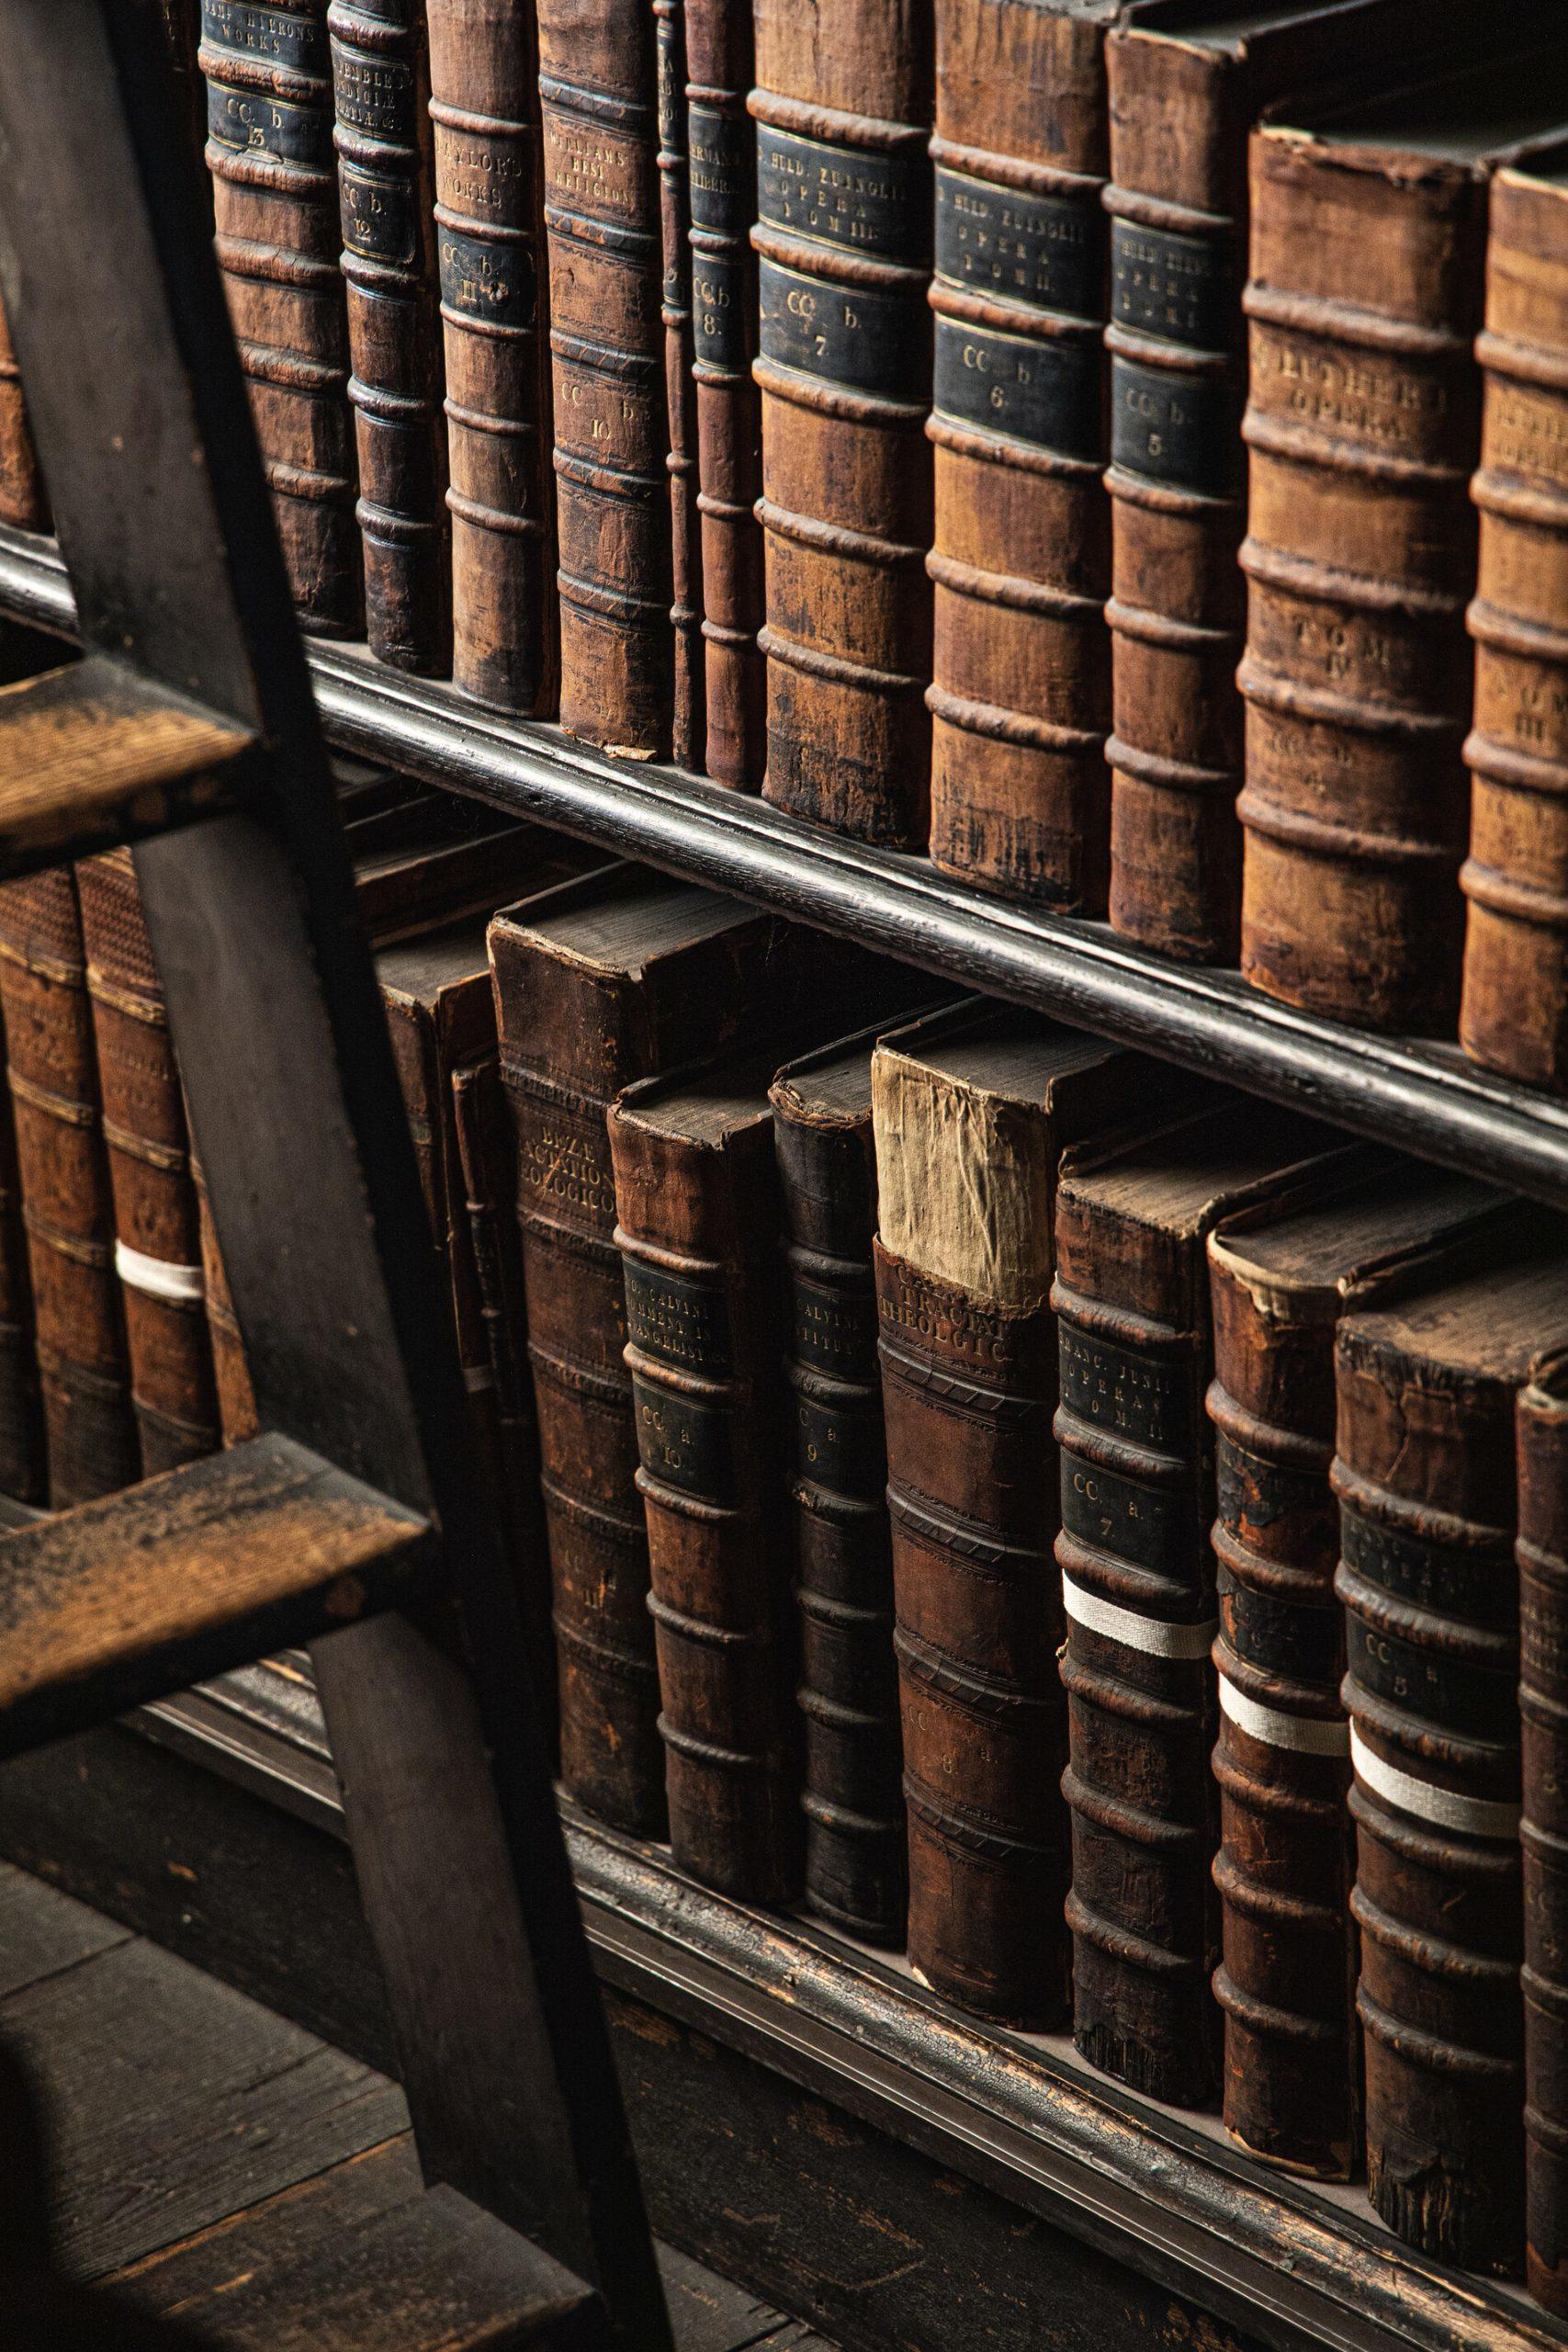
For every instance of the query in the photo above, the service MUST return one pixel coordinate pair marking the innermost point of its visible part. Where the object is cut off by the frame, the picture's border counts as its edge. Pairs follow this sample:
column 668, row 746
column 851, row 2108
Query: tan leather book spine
column 688, row 725
column 382, row 134
column 1021, row 567
column 490, row 228
column 24, row 1469
column 22, row 498
column 843, row 112
column 1541, row 1438
column 67, row 1209
column 269, row 148
column 237, row 1416
column 1514, row 1009
column 1361, row 427
column 722, row 182
column 597, row 95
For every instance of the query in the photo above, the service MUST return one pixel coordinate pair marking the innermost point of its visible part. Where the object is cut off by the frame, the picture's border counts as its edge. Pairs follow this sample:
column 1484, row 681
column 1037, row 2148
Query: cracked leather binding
column 382, row 135
column 688, row 727
column 601, row 220
column 1280, row 1277
column 842, row 109
column 269, row 148
column 722, row 184
column 971, row 1110
column 1362, row 427
column 1021, row 667
column 1541, row 1431
column 157, row 1238
column 1514, row 1009
column 1131, row 1299
column 1424, row 1473
column 67, row 1211
column 490, row 230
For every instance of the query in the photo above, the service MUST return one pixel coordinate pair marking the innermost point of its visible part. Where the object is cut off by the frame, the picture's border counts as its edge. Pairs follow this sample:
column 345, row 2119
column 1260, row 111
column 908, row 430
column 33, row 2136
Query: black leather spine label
column 1475, row 1585
column 1456, row 1694
column 1046, row 394
column 839, row 1445
column 374, row 95
column 249, row 121
column 718, row 169
column 681, row 1320
column 834, row 1331
column 277, row 36
column 1131, row 1395
column 1045, row 250
column 719, row 311
column 377, row 214
column 1177, row 287
column 1252, row 1492
column 683, row 1440
column 863, row 200
column 869, row 339
column 1286, row 1637
column 1152, row 1526
column 489, row 278
column 1173, row 427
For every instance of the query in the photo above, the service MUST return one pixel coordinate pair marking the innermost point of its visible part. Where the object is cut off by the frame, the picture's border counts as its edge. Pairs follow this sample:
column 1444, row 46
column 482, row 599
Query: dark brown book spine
column 385, row 177
column 1137, row 1592
column 1177, row 201
column 1514, row 1012
column 697, row 1230
column 1424, row 1470
column 1361, row 427
column 22, row 498
column 722, row 183
column 490, row 232
column 855, row 1865
column 597, row 87
column 157, row 1233
column 1542, row 1551
column 968, row 1392
column 843, row 239
column 688, row 725
column 179, row 28
column 67, row 1209
column 1020, row 684
column 237, row 1416
column 269, row 148
column 1286, row 1982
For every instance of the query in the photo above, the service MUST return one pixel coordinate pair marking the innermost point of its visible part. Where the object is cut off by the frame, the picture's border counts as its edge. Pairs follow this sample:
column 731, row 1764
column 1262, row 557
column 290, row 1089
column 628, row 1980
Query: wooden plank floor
column 176, row 2104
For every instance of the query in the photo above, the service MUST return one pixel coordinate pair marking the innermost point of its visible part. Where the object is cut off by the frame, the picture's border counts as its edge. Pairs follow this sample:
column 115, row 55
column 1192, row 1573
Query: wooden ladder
column 356, row 1523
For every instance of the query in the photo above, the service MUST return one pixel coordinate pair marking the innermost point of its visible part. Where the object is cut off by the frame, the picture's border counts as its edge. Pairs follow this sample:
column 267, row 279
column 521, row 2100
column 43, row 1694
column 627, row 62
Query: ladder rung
column 185, row 1576
column 95, row 754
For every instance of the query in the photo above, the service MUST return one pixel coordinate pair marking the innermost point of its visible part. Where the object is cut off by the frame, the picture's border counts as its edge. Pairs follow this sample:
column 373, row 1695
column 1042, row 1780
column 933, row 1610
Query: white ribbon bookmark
column 1153, row 1635
column 1473, row 1816
column 1309, row 1735
column 156, row 1276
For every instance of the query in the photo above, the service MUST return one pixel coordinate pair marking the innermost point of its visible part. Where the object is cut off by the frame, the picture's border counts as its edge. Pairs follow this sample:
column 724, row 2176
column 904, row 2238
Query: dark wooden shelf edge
column 1426, row 1097
column 1259, row 2249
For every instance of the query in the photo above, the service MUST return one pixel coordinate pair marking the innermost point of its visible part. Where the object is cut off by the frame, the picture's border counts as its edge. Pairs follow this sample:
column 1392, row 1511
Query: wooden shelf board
column 1427, row 1097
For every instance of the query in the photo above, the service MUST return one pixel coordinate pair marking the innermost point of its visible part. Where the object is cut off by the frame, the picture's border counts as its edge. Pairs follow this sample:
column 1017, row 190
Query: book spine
column 1514, row 1009
column 968, row 1392
column 382, row 135
column 1177, row 485
column 721, row 172
column 1020, row 681
column 157, row 1248
column 269, row 148
column 180, row 26
column 688, row 725
column 855, row 1866
column 51, row 1072
column 843, row 245
column 1431, row 1638
column 702, row 1352
column 1286, row 1982
column 1361, row 427
column 602, row 219
column 24, row 1468
column 237, row 1416
column 1542, row 1551
column 489, row 233
column 22, row 499
column 1137, row 1593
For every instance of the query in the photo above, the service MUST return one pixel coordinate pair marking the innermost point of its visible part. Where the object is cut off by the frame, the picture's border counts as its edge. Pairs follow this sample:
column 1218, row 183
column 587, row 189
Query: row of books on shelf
column 1051, row 1515
column 919, row 413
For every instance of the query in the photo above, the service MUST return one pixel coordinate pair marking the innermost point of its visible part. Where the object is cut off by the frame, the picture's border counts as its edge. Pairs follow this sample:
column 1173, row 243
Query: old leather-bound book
column 24, row 1467
column 1541, row 1428
column 844, row 112
column 1514, row 1010
column 1279, row 1276
column 22, row 498
column 597, row 985
column 722, row 183
column 157, row 1238
column 688, row 730
column 855, row 1865
column 1368, row 242
column 1425, row 1472
column 696, row 1207
column 484, row 106
column 382, row 134
column 269, row 148
column 67, row 1210
column 1132, row 1301
column 1188, row 79
column 237, row 1416
column 596, row 89
column 1021, row 667
column 971, row 1110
